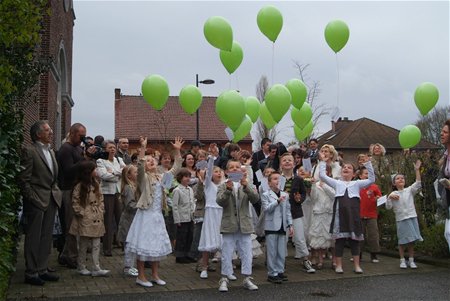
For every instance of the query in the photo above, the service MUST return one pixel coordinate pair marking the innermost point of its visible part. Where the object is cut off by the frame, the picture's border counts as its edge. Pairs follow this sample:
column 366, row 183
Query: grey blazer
column 234, row 219
column 275, row 213
column 38, row 184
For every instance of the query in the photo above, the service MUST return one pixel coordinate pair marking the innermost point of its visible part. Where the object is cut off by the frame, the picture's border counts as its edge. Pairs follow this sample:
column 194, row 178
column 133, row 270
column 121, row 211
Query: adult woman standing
column 443, row 178
column 322, row 197
column 109, row 171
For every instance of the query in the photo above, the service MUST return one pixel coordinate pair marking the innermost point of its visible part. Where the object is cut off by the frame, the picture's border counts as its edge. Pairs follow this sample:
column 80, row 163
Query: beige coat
column 87, row 221
column 234, row 219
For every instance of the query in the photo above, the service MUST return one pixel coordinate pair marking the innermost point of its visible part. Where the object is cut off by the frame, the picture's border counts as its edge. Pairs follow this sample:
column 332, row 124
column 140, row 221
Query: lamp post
column 205, row 82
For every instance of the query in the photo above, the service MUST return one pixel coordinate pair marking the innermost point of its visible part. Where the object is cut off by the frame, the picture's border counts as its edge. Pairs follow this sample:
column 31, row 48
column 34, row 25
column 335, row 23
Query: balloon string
column 338, row 80
column 229, row 82
column 273, row 60
column 237, row 83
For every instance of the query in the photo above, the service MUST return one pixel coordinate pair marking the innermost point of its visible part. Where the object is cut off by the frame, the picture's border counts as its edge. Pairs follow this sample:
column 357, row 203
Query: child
column 88, row 207
column 129, row 199
column 278, row 221
column 402, row 201
column 297, row 194
column 183, row 206
column 346, row 221
column 368, row 213
column 236, row 226
column 259, row 229
column 210, row 238
column 147, row 237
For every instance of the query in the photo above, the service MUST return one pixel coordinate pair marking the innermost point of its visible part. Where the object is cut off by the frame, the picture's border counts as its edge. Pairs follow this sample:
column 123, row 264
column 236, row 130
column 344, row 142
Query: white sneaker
column 231, row 277
column 159, row 282
column 130, row 272
column 308, row 267
column 204, row 275
column 223, row 284
column 412, row 264
column 84, row 272
column 403, row 264
column 248, row 284
column 100, row 273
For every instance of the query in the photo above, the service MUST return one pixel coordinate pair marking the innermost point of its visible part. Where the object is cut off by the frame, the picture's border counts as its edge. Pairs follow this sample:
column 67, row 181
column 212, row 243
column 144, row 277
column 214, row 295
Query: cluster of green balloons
column 218, row 33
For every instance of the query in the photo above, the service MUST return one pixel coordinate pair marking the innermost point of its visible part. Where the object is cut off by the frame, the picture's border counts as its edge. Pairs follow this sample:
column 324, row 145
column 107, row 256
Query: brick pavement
column 180, row 277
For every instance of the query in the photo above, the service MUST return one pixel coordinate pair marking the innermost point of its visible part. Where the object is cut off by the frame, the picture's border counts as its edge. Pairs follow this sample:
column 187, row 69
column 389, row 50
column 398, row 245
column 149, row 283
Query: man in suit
column 313, row 151
column 278, row 221
column 263, row 153
column 41, row 198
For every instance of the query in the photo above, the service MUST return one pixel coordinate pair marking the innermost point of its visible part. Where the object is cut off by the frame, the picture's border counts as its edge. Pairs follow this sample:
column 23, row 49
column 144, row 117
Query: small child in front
column 277, row 210
column 236, row 226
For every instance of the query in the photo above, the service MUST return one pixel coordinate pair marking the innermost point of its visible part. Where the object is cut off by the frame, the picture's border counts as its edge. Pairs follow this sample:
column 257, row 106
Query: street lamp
column 205, row 82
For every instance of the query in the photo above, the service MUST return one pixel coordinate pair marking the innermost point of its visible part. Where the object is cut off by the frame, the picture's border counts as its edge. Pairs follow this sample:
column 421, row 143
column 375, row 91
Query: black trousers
column 185, row 234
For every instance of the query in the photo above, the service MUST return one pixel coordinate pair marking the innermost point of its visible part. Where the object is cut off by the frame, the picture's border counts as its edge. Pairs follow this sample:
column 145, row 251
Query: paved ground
column 182, row 277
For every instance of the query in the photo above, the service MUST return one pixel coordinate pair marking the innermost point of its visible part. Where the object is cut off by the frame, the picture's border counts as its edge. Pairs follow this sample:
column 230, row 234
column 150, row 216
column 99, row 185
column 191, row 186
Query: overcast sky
column 393, row 47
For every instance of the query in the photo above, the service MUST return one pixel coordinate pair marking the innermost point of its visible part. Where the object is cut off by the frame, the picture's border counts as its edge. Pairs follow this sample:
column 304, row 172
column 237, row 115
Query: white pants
column 276, row 253
column 243, row 244
column 301, row 249
column 447, row 232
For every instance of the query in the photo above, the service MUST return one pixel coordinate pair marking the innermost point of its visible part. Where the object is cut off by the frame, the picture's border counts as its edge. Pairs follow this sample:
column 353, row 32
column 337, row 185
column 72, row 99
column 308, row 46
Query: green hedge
column 19, row 69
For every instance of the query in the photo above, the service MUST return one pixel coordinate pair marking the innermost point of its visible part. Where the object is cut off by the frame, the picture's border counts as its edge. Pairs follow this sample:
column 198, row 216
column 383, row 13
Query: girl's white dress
column 147, row 237
column 210, row 237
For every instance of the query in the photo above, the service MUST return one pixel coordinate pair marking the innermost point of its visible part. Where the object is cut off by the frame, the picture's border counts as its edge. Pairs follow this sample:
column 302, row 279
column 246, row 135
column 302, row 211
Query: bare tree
column 161, row 123
column 261, row 130
column 320, row 110
column 431, row 124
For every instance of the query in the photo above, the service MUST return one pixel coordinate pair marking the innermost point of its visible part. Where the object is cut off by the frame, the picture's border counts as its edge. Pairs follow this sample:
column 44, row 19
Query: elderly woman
column 322, row 197
column 444, row 176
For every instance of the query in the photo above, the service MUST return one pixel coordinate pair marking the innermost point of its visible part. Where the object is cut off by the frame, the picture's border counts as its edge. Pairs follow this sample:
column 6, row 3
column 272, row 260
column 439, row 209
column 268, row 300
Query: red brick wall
column 57, row 30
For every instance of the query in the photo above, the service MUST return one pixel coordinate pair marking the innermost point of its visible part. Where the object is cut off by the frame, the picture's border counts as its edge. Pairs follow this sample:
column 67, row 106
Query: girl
column 346, row 222
column 129, row 199
column 402, row 201
column 369, row 216
column 183, row 206
column 210, row 237
column 189, row 163
column 148, row 238
column 87, row 203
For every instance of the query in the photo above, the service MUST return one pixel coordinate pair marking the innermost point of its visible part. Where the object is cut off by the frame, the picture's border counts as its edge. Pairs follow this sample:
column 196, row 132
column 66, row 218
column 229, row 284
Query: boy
column 278, row 221
column 297, row 193
column 236, row 226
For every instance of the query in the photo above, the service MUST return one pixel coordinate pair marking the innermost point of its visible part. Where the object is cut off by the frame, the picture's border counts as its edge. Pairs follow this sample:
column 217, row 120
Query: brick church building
column 54, row 101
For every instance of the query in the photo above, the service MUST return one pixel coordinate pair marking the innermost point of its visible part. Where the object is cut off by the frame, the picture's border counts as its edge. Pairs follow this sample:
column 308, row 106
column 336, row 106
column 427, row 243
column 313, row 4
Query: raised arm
column 370, row 179
column 323, row 175
column 415, row 187
column 177, row 144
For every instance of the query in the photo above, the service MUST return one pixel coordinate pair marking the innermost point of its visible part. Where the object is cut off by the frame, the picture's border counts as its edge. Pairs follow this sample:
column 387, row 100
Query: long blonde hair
column 126, row 181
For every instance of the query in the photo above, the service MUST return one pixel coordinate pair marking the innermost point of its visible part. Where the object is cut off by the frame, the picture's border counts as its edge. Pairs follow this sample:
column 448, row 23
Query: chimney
column 117, row 93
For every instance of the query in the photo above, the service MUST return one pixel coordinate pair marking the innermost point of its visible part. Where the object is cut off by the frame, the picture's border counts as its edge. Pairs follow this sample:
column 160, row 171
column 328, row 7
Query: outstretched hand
column 143, row 141
column 417, row 165
column 178, row 143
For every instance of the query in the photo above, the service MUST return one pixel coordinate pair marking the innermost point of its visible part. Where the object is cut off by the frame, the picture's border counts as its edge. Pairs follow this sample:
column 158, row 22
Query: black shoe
column 49, row 277
column 182, row 260
column 34, row 280
column 64, row 261
column 274, row 279
column 282, row 276
column 191, row 259
column 107, row 254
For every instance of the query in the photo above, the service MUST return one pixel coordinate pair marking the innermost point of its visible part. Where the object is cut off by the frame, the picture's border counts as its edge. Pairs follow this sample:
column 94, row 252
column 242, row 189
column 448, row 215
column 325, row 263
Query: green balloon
column 270, row 22
column 230, row 108
column 305, row 114
column 266, row 117
column 190, row 99
column 298, row 92
column 243, row 130
column 337, row 34
column 409, row 136
column 231, row 60
column 252, row 106
column 155, row 91
column 278, row 101
column 218, row 33
column 301, row 134
column 426, row 97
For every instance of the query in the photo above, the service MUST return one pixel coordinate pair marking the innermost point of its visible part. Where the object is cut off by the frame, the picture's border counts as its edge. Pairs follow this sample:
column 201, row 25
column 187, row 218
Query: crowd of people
column 209, row 204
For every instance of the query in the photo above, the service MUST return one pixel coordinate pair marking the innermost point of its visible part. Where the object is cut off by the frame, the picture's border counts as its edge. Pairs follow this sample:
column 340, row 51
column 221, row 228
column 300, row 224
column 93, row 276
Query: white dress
column 210, row 237
column 147, row 237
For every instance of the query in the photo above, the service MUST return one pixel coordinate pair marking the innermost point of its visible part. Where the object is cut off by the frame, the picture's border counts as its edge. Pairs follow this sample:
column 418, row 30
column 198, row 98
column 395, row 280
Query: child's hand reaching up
column 417, row 165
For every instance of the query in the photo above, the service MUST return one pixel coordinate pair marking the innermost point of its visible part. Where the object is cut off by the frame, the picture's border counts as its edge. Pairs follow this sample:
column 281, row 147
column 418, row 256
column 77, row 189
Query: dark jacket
column 296, row 207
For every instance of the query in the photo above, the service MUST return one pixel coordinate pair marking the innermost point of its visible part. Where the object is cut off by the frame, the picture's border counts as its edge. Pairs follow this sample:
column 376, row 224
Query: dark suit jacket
column 297, row 186
column 37, row 183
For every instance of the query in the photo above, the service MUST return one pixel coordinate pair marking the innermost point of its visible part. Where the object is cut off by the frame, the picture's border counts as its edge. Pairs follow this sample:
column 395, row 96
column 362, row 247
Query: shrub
column 434, row 243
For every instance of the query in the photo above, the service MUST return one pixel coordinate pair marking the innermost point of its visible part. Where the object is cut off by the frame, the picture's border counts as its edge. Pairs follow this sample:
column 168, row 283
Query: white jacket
column 404, row 208
column 110, row 173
